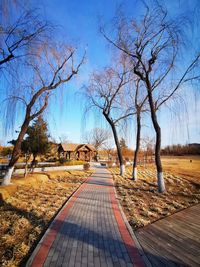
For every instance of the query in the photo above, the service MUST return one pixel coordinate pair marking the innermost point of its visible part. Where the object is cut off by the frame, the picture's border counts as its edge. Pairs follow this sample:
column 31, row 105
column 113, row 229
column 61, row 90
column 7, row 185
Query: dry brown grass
column 185, row 166
column 28, row 206
column 141, row 201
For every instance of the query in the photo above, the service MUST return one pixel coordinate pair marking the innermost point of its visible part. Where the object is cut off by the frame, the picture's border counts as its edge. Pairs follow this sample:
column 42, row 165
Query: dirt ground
column 141, row 201
column 28, row 206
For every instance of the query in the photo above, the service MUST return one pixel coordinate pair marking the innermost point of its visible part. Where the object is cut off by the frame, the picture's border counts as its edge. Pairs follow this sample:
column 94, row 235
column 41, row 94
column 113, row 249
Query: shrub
column 86, row 166
column 110, row 164
column 62, row 160
column 34, row 163
column 73, row 162
column 52, row 159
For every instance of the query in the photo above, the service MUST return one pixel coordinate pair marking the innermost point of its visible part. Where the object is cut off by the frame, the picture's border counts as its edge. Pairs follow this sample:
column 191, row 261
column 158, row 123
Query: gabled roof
column 69, row 147
column 91, row 147
column 82, row 147
column 77, row 147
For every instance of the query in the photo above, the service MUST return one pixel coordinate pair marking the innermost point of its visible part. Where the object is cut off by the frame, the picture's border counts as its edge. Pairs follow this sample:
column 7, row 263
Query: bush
column 71, row 163
column 86, row 166
column 110, row 163
column 52, row 159
column 62, row 160
column 34, row 163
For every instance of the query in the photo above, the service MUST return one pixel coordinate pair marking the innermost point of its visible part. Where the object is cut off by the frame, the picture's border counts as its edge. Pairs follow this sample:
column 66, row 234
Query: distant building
column 84, row 152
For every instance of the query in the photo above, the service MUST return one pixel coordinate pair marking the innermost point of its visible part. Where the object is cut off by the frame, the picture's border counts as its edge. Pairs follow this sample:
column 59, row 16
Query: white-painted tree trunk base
column 161, row 182
column 25, row 171
column 122, row 170
column 8, row 175
column 134, row 175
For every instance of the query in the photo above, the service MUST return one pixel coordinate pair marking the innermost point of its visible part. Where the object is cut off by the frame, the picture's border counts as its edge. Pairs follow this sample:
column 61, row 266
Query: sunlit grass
column 185, row 166
column 141, row 201
column 27, row 211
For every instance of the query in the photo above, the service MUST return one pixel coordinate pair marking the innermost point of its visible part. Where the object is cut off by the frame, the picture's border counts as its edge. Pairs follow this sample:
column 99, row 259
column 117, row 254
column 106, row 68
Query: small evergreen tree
column 36, row 142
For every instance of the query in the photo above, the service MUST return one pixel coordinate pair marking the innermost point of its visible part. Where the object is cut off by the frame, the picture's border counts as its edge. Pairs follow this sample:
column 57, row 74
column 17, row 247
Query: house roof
column 86, row 147
column 69, row 147
column 76, row 147
column 91, row 147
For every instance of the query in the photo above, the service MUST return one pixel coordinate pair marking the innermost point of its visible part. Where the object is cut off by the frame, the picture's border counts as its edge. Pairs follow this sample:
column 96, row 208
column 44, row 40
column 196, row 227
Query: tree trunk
column 134, row 175
column 26, row 170
column 7, row 176
column 160, row 178
column 17, row 148
column 119, row 152
column 16, row 152
column 33, row 163
column 27, row 157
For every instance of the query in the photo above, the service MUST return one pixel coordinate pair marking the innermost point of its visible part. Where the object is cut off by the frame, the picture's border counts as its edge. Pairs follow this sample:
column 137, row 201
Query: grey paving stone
column 47, row 261
column 55, row 257
column 89, row 235
column 60, row 261
column 84, row 261
column 90, row 257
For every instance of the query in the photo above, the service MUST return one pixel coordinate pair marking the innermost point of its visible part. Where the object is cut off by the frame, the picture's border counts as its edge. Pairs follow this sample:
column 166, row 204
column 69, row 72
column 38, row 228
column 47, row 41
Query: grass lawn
column 142, row 203
column 185, row 166
column 28, row 206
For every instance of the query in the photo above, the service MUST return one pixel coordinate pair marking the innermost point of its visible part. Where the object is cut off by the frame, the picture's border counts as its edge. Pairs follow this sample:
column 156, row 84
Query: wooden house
column 85, row 152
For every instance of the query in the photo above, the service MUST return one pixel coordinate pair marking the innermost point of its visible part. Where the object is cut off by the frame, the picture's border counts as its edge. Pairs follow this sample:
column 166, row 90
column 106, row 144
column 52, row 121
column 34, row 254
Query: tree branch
column 182, row 80
column 33, row 116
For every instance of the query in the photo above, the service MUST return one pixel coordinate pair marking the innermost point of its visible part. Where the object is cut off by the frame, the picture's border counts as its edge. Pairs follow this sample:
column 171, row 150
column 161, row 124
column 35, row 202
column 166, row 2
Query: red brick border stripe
column 129, row 242
column 51, row 233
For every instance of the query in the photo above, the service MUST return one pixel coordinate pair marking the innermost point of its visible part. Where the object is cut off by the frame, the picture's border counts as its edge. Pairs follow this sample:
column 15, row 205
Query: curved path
column 89, row 231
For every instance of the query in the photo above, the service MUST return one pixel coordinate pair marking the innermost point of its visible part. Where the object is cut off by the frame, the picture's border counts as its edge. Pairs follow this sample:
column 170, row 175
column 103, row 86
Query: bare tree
column 18, row 38
column 147, row 144
column 108, row 148
column 153, row 45
column 64, row 138
column 55, row 66
column 139, row 105
column 97, row 137
column 107, row 92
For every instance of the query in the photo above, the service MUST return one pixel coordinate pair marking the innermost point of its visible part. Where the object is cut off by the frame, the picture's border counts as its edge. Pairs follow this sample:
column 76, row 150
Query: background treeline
column 179, row 150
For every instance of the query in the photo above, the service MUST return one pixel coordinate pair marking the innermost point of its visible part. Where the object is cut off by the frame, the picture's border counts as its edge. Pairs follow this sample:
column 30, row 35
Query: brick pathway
column 89, row 231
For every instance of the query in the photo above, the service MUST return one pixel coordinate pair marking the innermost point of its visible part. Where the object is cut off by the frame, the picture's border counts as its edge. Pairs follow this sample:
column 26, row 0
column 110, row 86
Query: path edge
column 48, row 230
column 131, row 232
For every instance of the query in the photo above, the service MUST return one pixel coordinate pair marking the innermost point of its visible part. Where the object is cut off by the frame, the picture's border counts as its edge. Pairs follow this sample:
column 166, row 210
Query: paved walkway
column 89, row 231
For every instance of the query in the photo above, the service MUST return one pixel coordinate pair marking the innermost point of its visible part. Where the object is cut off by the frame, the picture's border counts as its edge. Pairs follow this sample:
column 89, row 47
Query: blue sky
column 79, row 25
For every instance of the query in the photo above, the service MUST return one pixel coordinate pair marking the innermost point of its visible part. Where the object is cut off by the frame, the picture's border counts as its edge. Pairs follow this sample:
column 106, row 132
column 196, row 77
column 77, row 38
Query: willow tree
column 153, row 44
column 53, row 67
column 97, row 137
column 139, row 100
column 19, row 36
column 107, row 92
